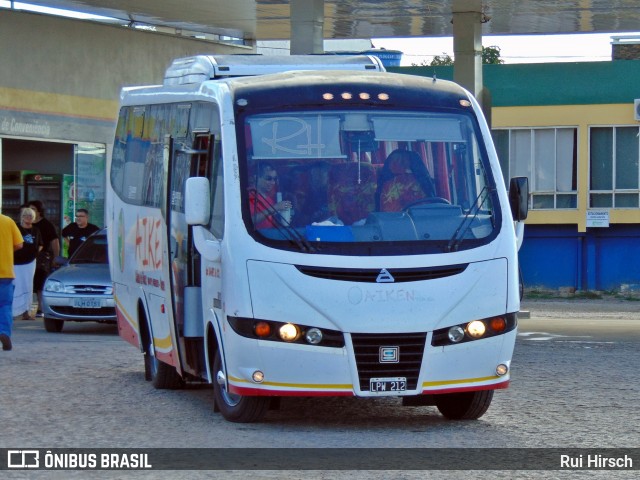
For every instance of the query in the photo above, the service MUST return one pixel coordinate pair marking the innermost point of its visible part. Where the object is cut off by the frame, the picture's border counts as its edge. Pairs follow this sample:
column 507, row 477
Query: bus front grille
column 368, row 352
column 372, row 275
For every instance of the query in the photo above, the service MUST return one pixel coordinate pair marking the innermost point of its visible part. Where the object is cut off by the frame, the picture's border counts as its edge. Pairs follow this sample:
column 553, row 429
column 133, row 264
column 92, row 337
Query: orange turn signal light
column 498, row 324
column 262, row 329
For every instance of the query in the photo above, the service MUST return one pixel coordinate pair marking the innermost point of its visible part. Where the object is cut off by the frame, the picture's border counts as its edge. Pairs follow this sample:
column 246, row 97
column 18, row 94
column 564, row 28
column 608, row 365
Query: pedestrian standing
column 10, row 241
column 77, row 232
column 50, row 250
column 24, row 261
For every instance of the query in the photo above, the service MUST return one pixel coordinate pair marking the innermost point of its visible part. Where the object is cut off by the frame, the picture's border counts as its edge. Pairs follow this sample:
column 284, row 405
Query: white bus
column 313, row 226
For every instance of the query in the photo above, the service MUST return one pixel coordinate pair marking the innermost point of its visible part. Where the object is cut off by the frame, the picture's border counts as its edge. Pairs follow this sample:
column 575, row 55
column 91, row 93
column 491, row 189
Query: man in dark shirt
column 77, row 232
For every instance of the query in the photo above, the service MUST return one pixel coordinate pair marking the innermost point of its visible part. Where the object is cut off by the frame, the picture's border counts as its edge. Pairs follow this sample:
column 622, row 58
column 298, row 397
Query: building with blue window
column 574, row 130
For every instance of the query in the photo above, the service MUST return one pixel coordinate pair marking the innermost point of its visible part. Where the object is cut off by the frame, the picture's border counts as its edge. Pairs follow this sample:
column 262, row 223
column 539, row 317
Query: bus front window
column 338, row 180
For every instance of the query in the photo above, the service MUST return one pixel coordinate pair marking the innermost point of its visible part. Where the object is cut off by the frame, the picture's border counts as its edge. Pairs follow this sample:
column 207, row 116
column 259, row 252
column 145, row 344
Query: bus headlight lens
column 289, row 332
column 313, row 336
column 476, row 329
column 502, row 369
column 455, row 334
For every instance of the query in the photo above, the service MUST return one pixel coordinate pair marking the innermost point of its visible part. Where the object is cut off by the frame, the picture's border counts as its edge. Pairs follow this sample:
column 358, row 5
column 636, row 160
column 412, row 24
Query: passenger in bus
column 318, row 194
column 296, row 189
column 352, row 188
column 265, row 211
column 307, row 191
column 403, row 179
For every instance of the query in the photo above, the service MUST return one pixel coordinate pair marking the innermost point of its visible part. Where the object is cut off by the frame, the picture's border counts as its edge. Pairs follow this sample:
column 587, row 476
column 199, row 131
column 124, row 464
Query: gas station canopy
column 270, row 19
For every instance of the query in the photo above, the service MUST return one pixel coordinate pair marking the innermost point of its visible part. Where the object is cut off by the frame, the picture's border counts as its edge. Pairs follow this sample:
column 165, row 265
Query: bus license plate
column 397, row 384
column 86, row 303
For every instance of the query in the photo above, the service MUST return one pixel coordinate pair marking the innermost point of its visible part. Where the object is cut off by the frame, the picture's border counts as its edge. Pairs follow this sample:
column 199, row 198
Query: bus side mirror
column 197, row 202
column 519, row 198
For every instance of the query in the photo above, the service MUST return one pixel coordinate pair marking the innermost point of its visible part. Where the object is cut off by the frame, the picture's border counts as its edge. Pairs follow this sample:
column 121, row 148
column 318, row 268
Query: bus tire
column 53, row 325
column 161, row 375
column 465, row 405
column 236, row 408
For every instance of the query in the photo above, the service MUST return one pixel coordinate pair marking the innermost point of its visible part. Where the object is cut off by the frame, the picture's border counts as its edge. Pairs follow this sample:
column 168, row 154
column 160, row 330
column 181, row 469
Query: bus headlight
column 476, row 329
column 313, row 336
column 273, row 331
column 456, row 334
column 289, row 332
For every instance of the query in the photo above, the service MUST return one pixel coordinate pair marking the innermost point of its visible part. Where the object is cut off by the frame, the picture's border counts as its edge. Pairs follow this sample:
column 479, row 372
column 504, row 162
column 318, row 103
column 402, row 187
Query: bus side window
column 217, row 190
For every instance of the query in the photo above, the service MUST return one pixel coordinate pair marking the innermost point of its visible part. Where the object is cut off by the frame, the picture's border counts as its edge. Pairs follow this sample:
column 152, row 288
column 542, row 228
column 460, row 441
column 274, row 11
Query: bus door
column 188, row 161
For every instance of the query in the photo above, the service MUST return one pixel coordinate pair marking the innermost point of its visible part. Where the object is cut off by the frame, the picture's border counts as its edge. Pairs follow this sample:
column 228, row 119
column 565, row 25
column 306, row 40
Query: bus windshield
column 331, row 181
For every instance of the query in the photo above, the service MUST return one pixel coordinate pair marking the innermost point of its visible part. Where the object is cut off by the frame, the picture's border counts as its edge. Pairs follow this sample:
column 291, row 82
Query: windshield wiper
column 290, row 233
column 460, row 232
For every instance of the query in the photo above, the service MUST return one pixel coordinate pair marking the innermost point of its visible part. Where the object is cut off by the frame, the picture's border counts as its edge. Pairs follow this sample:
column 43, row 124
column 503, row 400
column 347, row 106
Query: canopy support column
column 307, row 26
column 467, row 45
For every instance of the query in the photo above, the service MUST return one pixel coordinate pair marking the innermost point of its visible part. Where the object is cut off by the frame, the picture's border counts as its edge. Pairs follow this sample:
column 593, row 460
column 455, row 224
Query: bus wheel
column 53, row 325
column 465, row 405
column 236, row 408
column 161, row 375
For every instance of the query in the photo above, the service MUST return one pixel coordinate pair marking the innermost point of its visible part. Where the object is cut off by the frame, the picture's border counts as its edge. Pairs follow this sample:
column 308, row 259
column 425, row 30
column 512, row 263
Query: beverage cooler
column 13, row 194
column 48, row 189
column 12, row 198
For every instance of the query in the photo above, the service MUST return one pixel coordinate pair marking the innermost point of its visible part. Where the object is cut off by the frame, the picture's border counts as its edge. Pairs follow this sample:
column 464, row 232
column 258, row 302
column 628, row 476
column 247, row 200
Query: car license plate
column 86, row 303
column 396, row 384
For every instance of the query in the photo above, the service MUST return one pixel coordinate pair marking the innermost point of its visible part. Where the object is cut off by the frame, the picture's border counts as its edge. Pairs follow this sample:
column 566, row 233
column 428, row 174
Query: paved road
column 574, row 384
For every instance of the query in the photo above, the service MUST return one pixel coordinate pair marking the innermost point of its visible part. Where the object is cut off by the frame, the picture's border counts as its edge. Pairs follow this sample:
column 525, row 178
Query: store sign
column 598, row 218
column 52, row 126
column 17, row 126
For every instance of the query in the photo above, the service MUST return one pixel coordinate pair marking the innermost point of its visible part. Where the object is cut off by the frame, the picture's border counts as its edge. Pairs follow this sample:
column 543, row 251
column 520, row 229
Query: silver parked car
column 81, row 290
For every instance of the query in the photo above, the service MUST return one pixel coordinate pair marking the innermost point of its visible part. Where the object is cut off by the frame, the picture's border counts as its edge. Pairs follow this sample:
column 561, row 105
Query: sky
column 513, row 49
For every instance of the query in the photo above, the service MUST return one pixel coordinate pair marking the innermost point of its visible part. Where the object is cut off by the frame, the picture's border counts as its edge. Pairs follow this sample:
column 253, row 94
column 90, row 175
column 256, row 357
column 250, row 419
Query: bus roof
column 199, row 68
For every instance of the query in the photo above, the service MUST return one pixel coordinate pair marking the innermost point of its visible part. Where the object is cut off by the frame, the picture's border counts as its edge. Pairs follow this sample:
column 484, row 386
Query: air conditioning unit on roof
column 636, row 109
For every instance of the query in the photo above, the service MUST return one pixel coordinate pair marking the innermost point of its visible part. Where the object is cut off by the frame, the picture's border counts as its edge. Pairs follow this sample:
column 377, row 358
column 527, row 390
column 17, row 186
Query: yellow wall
column 582, row 117
column 58, row 104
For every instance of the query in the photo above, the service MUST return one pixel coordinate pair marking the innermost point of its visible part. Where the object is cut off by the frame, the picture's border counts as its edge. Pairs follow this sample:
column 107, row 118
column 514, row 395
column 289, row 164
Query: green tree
column 490, row 56
column 441, row 60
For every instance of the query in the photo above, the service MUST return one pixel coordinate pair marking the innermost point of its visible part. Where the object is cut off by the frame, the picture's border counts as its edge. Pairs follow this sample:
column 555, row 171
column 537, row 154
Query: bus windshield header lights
column 328, row 96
